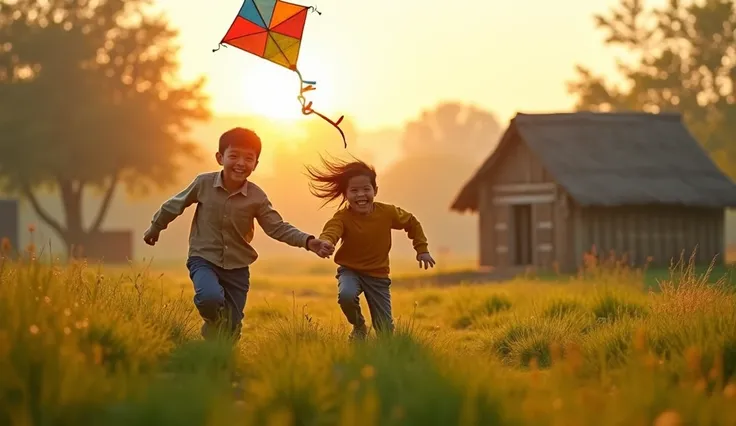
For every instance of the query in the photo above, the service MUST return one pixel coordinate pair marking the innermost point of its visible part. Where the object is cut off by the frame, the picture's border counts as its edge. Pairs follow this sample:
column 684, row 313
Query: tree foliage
column 684, row 60
column 89, row 98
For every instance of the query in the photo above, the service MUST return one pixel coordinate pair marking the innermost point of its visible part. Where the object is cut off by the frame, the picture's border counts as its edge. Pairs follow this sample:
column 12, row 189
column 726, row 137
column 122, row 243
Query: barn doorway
column 522, row 215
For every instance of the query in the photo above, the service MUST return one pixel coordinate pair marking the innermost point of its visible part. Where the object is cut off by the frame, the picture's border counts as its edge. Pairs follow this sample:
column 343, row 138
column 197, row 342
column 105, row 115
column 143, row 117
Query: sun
column 262, row 88
column 272, row 92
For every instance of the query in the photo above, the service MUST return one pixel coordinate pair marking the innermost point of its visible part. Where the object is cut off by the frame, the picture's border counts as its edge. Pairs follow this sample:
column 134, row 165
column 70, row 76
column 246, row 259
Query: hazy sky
column 381, row 62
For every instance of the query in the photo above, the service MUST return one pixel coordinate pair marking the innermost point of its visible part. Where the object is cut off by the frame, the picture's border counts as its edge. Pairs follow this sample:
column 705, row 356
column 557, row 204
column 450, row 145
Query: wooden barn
column 557, row 185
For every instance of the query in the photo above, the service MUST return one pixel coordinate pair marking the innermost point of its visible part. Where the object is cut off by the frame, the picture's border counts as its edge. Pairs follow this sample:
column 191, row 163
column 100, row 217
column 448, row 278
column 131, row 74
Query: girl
column 364, row 227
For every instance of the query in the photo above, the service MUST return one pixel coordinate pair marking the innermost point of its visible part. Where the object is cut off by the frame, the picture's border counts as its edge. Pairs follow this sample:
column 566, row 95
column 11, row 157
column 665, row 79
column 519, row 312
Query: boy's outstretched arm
column 171, row 209
column 275, row 227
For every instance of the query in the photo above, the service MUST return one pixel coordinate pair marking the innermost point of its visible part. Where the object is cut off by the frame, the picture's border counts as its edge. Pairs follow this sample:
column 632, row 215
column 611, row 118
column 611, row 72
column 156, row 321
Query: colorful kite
column 272, row 30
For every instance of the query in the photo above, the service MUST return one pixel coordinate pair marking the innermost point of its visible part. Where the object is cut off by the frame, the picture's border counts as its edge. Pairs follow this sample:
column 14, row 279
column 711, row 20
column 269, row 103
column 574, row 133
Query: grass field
column 85, row 345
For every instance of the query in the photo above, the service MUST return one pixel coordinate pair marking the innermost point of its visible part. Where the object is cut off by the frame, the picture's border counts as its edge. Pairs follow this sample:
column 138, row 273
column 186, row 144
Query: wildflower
column 693, row 359
column 67, row 312
column 575, row 357
column 67, row 331
column 716, row 372
column 47, row 300
column 640, row 339
column 398, row 412
column 650, row 361
column 34, row 329
column 368, row 372
column 534, row 370
column 555, row 352
column 281, row 417
column 31, row 228
column 4, row 344
column 97, row 354
column 668, row 418
column 730, row 391
column 557, row 404
column 5, row 245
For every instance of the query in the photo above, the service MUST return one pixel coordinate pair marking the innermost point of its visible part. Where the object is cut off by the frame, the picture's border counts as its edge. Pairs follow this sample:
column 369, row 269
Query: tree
column 89, row 99
column 684, row 61
column 441, row 150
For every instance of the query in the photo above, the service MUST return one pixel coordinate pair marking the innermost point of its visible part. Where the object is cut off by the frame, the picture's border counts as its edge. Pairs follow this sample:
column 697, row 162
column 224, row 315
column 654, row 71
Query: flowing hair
column 332, row 182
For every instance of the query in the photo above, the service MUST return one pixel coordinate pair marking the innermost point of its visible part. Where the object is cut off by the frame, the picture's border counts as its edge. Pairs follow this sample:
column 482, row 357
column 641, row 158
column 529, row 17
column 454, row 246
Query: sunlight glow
column 271, row 91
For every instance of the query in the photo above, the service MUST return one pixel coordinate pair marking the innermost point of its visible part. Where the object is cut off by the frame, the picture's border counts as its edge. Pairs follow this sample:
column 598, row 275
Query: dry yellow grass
column 81, row 345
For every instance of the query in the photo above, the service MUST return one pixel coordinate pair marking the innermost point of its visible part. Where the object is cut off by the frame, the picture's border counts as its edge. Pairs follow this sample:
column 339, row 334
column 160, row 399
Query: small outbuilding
column 632, row 183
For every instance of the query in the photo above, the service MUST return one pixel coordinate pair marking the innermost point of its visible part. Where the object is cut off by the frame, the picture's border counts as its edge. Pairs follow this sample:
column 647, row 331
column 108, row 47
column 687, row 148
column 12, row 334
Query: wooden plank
column 523, row 199
column 486, row 223
column 525, row 187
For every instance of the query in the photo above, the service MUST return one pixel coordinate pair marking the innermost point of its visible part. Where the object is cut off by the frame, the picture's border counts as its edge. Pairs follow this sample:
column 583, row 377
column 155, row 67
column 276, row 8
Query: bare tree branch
column 41, row 212
column 106, row 201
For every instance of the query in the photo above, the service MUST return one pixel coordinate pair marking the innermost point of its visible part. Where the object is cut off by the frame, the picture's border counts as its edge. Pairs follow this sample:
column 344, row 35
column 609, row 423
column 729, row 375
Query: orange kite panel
column 284, row 11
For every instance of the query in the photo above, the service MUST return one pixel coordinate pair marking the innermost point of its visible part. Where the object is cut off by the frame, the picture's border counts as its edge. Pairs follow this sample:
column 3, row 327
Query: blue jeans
column 219, row 295
column 377, row 291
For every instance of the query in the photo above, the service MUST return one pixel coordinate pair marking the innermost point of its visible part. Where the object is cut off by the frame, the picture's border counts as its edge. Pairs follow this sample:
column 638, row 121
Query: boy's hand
column 151, row 235
column 425, row 259
column 321, row 247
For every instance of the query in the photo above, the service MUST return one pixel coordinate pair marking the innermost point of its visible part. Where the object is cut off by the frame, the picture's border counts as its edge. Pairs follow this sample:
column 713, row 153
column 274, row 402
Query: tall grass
column 79, row 346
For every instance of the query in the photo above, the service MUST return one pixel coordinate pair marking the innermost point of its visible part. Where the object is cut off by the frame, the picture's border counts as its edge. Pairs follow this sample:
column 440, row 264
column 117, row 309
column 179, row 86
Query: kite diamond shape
column 272, row 30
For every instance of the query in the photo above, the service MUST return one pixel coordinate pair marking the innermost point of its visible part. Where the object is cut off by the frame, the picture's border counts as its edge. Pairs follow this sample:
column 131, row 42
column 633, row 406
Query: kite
column 272, row 30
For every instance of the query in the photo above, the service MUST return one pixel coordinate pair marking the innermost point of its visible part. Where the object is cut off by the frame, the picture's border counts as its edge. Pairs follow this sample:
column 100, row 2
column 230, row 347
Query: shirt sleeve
column 401, row 219
column 175, row 206
column 275, row 227
column 332, row 230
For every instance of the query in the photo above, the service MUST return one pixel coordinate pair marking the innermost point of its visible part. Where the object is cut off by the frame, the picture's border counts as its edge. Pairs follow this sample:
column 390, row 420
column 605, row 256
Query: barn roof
column 610, row 159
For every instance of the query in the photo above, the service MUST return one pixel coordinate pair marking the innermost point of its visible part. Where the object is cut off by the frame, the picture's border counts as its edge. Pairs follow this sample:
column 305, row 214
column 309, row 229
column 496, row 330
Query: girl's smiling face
column 360, row 194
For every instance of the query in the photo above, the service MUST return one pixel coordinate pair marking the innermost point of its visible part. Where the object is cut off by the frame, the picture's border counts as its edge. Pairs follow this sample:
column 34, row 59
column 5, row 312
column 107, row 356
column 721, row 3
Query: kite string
column 307, row 107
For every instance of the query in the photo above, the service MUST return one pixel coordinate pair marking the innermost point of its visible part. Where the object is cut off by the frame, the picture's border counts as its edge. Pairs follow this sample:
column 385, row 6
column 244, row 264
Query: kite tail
column 219, row 45
column 307, row 107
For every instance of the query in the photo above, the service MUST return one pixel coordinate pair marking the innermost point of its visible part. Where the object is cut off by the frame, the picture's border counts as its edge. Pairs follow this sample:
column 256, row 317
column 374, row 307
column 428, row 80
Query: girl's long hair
column 332, row 182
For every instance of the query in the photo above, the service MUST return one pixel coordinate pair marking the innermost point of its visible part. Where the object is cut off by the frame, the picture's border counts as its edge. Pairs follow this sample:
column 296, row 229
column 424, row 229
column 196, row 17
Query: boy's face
column 360, row 194
column 237, row 163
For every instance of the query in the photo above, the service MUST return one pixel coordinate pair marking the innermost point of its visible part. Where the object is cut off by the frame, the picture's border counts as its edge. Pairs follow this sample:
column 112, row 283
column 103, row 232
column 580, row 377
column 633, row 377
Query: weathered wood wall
column 660, row 234
column 519, row 180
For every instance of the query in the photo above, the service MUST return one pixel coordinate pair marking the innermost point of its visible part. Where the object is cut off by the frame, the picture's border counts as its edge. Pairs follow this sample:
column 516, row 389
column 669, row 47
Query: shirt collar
column 219, row 182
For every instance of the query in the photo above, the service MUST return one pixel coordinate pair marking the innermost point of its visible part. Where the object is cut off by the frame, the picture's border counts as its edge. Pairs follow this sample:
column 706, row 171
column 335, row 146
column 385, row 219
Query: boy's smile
column 237, row 165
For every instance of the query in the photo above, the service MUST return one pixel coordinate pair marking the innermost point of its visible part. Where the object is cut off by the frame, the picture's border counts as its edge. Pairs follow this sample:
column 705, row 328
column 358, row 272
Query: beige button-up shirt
column 223, row 226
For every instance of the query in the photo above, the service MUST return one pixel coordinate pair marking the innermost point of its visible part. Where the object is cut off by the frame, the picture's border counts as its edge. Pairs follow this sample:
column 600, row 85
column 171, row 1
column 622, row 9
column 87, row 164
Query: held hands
column 151, row 235
column 321, row 248
column 425, row 259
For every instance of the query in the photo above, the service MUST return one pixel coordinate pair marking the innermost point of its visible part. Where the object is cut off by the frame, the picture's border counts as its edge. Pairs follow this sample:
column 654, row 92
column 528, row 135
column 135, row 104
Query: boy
column 220, row 253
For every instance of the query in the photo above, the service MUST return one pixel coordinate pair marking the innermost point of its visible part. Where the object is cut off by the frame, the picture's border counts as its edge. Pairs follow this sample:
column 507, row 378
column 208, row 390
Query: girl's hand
column 321, row 248
column 425, row 259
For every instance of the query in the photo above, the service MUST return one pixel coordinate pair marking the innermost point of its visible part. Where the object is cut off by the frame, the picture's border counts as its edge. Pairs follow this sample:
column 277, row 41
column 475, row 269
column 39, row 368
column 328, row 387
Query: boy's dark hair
column 332, row 183
column 241, row 138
